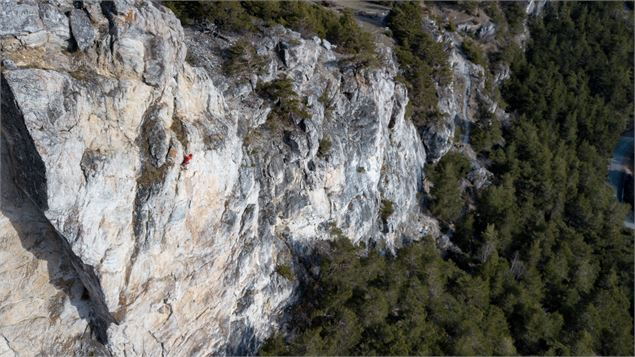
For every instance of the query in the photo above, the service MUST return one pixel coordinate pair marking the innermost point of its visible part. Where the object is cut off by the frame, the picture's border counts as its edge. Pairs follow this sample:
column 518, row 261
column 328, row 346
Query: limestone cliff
column 99, row 108
column 110, row 245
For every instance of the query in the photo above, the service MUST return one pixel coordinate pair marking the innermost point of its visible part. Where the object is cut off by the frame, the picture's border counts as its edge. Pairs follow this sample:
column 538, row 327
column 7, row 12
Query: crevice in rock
column 149, row 183
column 99, row 317
column 178, row 127
column 393, row 120
column 72, row 42
column 242, row 339
column 30, row 170
column 152, row 172
column 108, row 9
column 280, row 51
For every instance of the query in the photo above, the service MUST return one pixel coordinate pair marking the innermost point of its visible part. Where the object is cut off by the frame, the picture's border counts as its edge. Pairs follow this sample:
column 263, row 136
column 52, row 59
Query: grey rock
column 35, row 39
column 122, row 7
column 502, row 73
column 155, row 68
column 487, row 31
column 459, row 99
column 95, row 13
column 18, row 19
column 480, row 178
column 298, row 143
column 56, row 23
column 181, row 259
column 326, row 44
column 535, row 7
column 82, row 29
column 8, row 64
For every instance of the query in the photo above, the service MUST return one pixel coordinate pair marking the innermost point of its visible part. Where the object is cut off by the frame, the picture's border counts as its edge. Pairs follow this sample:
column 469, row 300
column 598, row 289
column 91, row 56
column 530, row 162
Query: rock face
column 161, row 258
column 459, row 100
column 82, row 29
column 535, row 7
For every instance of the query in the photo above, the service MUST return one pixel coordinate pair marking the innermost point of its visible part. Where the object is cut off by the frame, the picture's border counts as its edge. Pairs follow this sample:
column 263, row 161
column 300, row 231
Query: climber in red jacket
column 186, row 160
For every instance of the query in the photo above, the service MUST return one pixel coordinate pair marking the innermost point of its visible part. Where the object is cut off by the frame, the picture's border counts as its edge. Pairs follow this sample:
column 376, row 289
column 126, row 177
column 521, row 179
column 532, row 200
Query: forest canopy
column 302, row 16
column 546, row 265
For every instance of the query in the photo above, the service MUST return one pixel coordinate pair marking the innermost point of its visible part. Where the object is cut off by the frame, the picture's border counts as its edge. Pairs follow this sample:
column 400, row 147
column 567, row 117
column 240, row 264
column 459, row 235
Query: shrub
column 280, row 89
column 474, row 52
column 485, row 135
column 422, row 60
column 509, row 53
column 387, row 209
column 325, row 147
column 350, row 36
column 327, row 98
column 336, row 232
column 226, row 15
column 285, row 271
column 468, row 6
column 492, row 9
column 286, row 102
column 450, row 26
column 241, row 58
column 307, row 18
column 487, row 131
column 515, row 14
column 447, row 199
column 311, row 19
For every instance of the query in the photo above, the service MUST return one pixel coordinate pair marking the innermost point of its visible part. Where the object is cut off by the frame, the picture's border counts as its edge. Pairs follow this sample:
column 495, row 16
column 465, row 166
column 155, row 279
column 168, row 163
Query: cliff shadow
column 39, row 239
column 20, row 162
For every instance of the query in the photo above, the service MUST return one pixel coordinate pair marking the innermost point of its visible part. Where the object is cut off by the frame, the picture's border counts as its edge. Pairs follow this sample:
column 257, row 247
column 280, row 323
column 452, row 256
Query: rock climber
column 186, row 160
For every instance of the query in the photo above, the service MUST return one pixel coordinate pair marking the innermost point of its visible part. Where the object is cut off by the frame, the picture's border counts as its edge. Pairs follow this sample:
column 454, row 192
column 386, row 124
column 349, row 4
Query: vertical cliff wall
column 99, row 110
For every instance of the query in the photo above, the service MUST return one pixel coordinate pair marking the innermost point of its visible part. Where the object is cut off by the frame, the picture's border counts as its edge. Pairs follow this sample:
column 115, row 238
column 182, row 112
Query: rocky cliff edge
column 123, row 249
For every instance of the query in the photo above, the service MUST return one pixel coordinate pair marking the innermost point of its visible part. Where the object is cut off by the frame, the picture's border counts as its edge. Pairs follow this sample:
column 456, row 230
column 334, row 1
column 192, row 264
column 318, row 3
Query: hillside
column 322, row 178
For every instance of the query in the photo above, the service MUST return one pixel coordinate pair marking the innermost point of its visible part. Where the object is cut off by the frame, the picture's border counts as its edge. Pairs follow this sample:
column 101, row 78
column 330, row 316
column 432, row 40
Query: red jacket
column 187, row 159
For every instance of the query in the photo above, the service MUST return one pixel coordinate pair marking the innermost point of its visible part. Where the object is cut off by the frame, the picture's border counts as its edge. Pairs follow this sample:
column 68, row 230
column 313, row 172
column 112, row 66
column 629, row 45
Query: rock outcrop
column 154, row 257
column 459, row 100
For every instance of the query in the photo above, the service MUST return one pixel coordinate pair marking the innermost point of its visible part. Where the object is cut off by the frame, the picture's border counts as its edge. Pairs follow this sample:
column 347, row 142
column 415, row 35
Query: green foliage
column 305, row 17
column 311, row 19
column 487, row 132
column 468, row 6
column 588, row 100
column 546, row 265
column 552, row 202
column 387, row 209
column 509, row 53
column 287, row 105
column 274, row 346
column 414, row 303
column 350, row 36
column 328, row 99
column 285, row 271
column 241, row 59
column 515, row 15
column 447, row 198
column 451, row 26
column 493, row 10
column 474, row 52
column 226, row 15
column 325, row 147
column 336, row 231
column 421, row 59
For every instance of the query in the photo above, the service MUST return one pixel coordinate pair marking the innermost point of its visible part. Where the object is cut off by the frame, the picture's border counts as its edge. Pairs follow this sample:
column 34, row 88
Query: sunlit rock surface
column 112, row 246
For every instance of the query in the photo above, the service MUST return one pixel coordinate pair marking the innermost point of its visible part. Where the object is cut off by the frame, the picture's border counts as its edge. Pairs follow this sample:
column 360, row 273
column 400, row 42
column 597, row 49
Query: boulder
column 82, row 29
